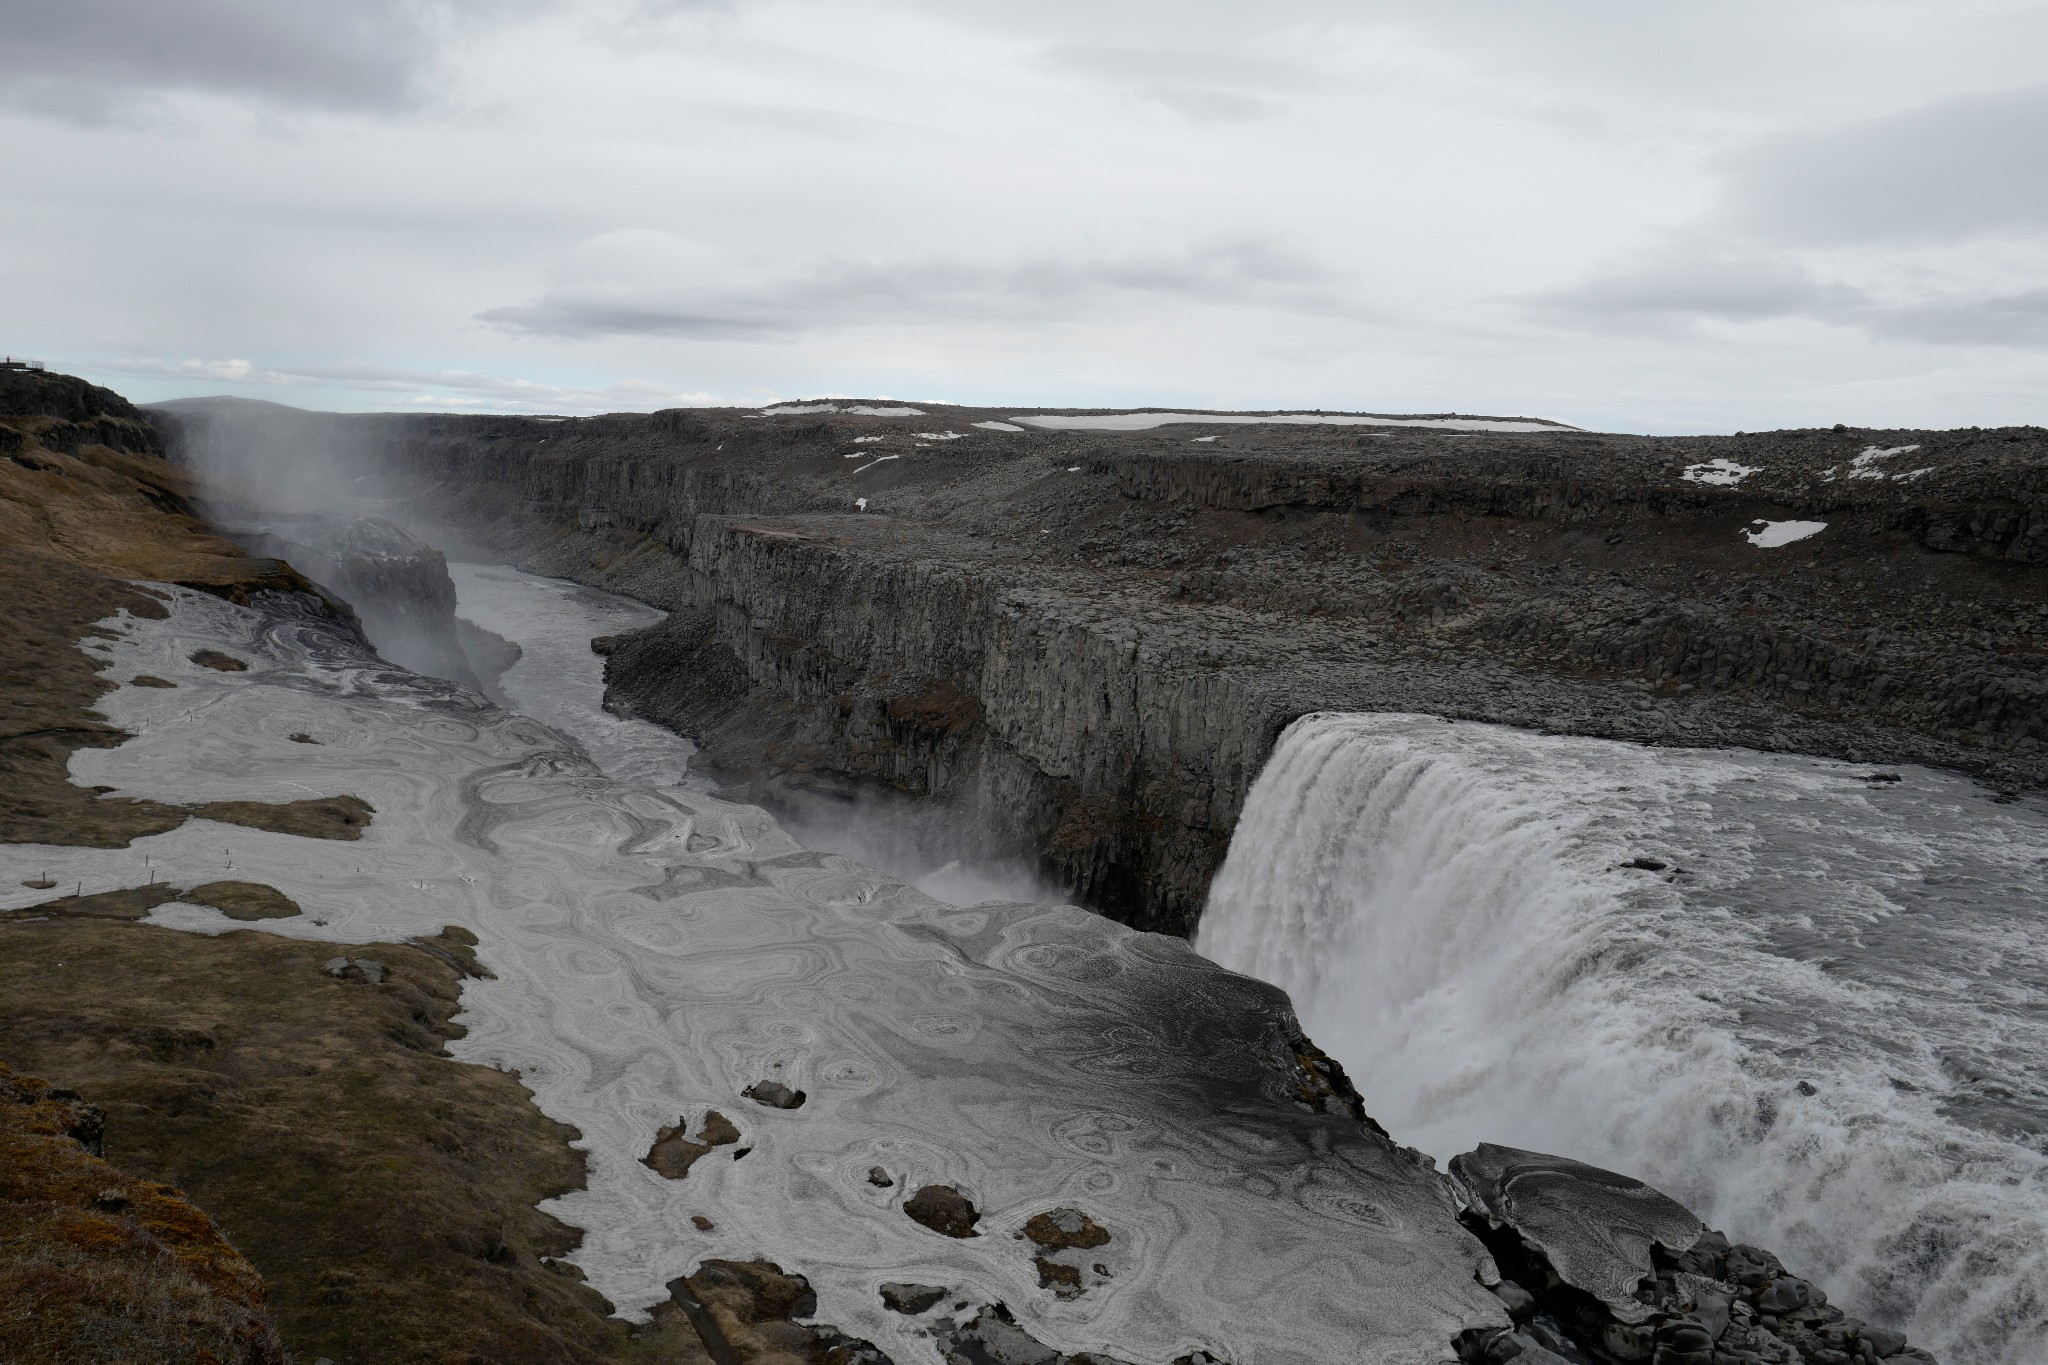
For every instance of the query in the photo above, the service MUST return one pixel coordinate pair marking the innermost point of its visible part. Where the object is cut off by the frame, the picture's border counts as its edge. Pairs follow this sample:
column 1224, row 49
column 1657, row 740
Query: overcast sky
column 1694, row 215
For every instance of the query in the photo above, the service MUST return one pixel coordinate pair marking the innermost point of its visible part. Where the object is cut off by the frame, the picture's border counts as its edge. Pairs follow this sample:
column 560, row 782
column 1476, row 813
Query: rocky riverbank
column 1075, row 648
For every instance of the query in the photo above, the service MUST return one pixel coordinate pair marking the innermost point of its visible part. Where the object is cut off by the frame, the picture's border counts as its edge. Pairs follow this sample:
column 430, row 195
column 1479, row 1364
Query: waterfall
column 1806, row 999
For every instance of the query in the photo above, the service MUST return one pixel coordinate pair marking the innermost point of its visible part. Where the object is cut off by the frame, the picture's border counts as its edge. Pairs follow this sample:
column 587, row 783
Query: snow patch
column 1145, row 421
column 1725, row 473
column 877, row 460
column 861, row 504
column 1776, row 533
column 859, row 410
column 1205, row 438
column 998, row 426
column 1864, row 466
column 942, row 436
column 863, row 440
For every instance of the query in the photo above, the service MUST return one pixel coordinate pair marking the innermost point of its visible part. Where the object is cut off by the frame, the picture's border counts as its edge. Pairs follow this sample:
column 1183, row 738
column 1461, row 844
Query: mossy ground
column 102, row 1268
column 386, row 1192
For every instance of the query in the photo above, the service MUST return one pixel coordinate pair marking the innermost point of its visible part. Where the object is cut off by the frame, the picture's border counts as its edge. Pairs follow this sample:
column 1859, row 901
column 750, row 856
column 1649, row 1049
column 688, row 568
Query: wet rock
column 674, row 1152
column 879, row 1177
column 1524, row 1349
column 701, row 1223
column 1595, row 1228
column 774, row 1094
column 719, row 1130
column 1063, row 1280
column 151, row 680
column 992, row 1337
column 1784, row 1295
column 746, row 1311
column 1065, row 1227
column 215, row 659
column 1519, row 1302
column 1578, row 1237
column 899, row 1297
column 944, row 1210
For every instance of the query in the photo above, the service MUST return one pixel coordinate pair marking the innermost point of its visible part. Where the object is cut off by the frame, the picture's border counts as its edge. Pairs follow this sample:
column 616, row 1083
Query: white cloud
column 643, row 284
column 434, row 389
column 1613, row 214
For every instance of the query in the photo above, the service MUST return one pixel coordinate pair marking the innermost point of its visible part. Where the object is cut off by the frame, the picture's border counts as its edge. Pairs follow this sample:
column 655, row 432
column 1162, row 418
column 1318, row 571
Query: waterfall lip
column 1823, row 1036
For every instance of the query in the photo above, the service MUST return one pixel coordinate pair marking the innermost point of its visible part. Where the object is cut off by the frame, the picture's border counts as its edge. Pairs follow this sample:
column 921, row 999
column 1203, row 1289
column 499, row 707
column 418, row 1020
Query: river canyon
column 816, row 783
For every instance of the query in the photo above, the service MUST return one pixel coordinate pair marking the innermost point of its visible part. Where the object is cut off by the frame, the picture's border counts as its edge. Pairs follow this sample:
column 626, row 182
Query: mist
column 312, row 490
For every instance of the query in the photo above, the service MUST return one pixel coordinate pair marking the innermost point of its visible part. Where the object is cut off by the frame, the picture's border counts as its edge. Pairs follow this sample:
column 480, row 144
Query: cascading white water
column 1823, row 1022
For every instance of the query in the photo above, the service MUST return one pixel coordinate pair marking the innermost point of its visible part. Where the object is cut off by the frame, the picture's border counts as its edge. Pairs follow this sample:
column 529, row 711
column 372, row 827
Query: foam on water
column 1824, row 1024
column 656, row 951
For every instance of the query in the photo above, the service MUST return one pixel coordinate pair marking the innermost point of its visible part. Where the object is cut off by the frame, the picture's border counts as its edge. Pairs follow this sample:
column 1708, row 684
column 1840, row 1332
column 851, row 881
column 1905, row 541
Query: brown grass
column 102, row 1268
column 385, row 1191
column 73, row 527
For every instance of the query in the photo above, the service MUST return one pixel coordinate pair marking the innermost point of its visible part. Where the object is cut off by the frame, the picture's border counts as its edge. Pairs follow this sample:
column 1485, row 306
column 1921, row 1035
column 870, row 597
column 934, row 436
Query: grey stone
column 1519, row 1302
column 899, row 1297
column 774, row 1094
column 1783, row 1296
column 1596, row 1228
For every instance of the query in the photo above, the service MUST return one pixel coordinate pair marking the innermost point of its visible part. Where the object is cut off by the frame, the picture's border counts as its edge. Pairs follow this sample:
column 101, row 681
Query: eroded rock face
column 1079, row 647
column 1598, row 1267
column 397, row 584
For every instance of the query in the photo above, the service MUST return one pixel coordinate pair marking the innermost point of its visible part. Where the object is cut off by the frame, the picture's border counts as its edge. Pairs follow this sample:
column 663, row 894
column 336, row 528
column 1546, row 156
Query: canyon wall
column 1075, row 649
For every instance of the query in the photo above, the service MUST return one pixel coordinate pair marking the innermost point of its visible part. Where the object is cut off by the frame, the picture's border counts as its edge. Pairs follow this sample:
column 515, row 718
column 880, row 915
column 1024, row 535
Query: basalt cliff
column 1073, row 649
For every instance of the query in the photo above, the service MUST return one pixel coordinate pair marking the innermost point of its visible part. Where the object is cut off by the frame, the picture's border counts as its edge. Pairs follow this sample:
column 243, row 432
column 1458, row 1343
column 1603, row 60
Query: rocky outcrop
column 398, row 586
column 1599, row 1269
column 1076, row 649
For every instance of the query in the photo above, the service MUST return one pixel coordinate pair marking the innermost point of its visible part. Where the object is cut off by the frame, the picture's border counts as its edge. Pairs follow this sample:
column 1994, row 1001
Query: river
column 1809, row 998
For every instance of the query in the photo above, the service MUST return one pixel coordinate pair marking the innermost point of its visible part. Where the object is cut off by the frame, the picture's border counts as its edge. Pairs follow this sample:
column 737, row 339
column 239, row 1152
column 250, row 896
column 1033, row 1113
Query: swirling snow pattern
column 657, row 951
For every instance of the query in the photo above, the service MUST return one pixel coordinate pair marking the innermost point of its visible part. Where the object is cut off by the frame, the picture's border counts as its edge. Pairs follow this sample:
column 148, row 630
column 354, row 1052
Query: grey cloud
column 1681, row 292
column 1686, row 287
column 440, row 388
column 1213, row 106
column 1204, row 87
column 1942, row 172
column 89, row 59
column 2017, row 320
column 846, row 293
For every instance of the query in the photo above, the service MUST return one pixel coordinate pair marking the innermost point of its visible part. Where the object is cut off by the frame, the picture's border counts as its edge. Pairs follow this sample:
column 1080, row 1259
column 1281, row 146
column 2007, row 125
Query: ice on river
column 559, row 679
column 1808, row 999
column 657, row 951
